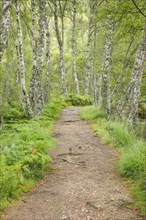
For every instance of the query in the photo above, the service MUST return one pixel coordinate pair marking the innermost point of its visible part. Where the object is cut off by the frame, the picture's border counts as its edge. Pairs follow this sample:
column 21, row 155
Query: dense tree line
column 56, row 47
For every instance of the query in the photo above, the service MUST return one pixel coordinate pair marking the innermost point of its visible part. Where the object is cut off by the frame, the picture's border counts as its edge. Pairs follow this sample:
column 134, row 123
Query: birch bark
column 106, row 101
column 34, row 52
column 4, row 26
column 115, row 95
column 99, row 88
column 128, row 106
column 22, row 69
column 48, row 57
column 40, row 60
column 88, row 54
column 74, row 48
column 61, row 46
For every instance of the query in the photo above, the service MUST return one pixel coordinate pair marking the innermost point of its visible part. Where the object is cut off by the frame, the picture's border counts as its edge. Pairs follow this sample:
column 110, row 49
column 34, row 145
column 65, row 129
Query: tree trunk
column 40, row 60
column 74, row 48
column 61, row 47
column 99, row 88
column 48, row 56
column 115, row 95
column 4, row 27
column 128, row 105
column 88, row 54
column 94, row 65
column 22, row 64
column 34, row 51
column 106, row 99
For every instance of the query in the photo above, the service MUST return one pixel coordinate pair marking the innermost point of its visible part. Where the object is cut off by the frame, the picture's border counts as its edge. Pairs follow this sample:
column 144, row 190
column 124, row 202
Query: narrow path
column 84, row 184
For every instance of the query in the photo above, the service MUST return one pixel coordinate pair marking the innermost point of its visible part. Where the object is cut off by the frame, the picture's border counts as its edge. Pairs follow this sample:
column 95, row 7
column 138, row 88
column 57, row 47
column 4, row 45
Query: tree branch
column 138, row 8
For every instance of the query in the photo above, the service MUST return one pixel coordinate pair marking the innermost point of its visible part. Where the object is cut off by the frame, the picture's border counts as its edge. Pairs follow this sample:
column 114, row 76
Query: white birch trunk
column 99, row 88
column 88, row 54
column 48, row 57
column 74, row 49
column 22, row 63
column 106, row 101
column 34, row 51
column 4, row 26
column 61, row 44
column 128, row 106
column 115, row 95
column 40, row 60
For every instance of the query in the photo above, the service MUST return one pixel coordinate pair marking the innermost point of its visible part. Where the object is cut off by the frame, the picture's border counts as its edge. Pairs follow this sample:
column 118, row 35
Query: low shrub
column 78, row 100
column 24, row 152
column 12, row 111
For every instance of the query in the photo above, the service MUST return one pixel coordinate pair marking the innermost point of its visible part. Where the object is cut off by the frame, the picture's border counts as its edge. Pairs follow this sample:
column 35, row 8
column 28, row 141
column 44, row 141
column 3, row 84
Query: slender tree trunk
column 4, row 26
column 40, row 60
column 94, row 63
column 106, row 101
column 61, row 47
column 74, row 49
column 48, row 56
column 99, row 88
column 88, row 54
column 128, row 105
column 22, row 64
column 34, row 51
column 119, row 83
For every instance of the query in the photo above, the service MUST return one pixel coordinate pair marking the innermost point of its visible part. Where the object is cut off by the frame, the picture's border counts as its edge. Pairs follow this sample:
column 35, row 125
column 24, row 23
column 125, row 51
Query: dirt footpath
column 84, row 184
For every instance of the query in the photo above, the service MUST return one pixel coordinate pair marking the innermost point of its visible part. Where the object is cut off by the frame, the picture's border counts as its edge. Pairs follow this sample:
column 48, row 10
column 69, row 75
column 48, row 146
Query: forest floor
column 83, row 184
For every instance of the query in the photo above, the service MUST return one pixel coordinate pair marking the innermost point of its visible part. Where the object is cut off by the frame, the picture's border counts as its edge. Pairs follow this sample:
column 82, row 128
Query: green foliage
column 24, row 152
column 9, row 179
column 91, row 113
column 139, row 191
column 132, row 162
column 53, row 109
column 120, row 134
column 78, row 100
column 142, row 110
column 12, row 111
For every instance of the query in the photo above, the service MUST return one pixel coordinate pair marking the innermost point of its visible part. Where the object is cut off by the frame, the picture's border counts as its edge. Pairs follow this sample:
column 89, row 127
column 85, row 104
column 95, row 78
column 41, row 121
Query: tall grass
column 24, row 152
column 132, row 162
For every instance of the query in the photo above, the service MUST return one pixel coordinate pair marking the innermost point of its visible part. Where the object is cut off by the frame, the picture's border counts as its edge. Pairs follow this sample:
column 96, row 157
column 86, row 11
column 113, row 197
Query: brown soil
column 84, row 184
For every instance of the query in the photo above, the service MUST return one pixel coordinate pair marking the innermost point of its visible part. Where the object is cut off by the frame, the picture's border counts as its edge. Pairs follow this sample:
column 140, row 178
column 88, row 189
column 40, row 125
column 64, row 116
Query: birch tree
column 88, row 54
column 117, row 90
column 40, row 60
column 74, row 48
column 4, row 25
column 94, row 66
column 128, row 105
column 106, row 96
column 60, row 39
column 22, row 63
column 34, row 52
column 48, row 57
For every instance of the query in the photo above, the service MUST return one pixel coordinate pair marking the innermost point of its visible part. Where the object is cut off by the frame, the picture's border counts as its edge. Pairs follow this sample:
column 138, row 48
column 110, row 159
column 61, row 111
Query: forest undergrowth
column 132, row 160
column 24, row 146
